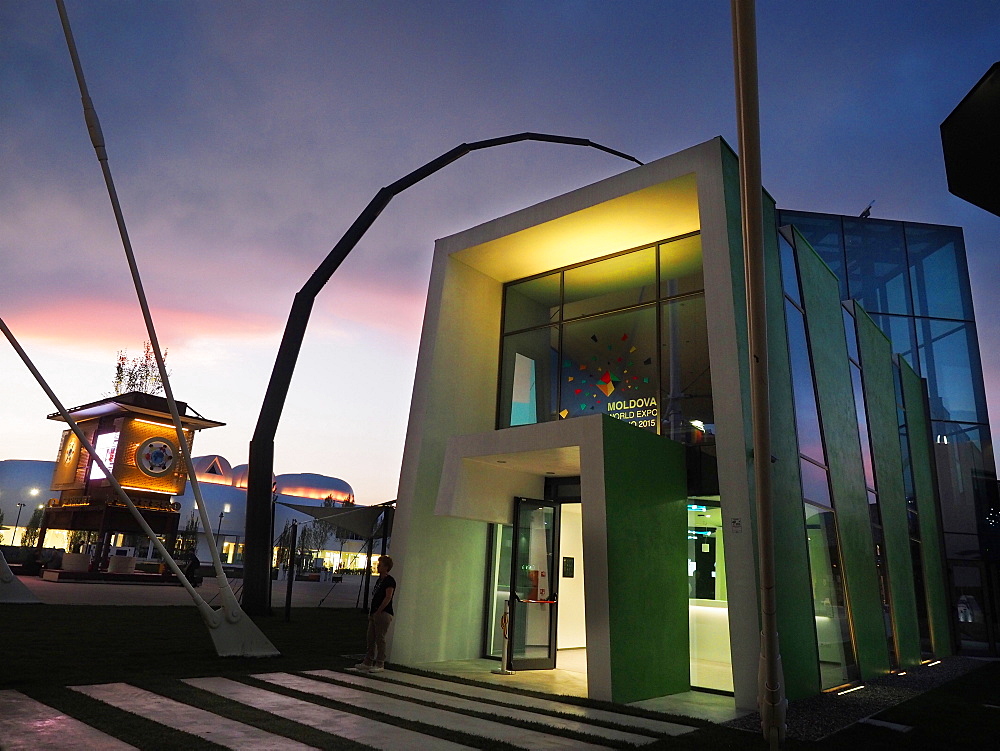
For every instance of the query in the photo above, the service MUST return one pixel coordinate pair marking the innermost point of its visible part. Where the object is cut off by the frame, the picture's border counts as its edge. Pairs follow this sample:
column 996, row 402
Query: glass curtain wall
column 624, row 335
column 837, row 661
column 914, row 282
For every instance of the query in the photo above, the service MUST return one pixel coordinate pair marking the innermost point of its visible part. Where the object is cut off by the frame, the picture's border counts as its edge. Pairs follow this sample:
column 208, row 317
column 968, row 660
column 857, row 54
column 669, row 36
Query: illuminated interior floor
column 714, row 675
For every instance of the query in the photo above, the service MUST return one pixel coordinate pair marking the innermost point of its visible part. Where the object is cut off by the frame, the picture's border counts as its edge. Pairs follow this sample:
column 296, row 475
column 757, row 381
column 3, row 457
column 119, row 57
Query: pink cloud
column 114, row 323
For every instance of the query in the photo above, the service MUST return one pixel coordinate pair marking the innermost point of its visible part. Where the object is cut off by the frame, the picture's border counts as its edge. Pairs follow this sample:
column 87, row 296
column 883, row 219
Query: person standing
column 379, row 617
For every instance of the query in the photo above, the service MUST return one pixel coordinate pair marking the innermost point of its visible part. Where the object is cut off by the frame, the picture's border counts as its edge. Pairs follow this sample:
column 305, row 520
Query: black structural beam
column 257, row 556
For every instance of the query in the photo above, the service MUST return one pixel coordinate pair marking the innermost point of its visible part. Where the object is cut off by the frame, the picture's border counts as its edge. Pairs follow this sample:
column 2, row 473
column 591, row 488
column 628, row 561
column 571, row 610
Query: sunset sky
column 245, row 137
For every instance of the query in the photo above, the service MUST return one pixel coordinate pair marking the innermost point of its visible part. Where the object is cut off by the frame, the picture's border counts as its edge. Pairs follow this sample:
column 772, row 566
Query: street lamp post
column 13, row 535
column 218, row 532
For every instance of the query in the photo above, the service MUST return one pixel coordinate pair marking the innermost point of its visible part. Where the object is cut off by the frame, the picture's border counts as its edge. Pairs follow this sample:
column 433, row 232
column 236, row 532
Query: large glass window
column 534, row 302
column 686, row 396
column 963, row 476
column 625, row 335
column 681, row 266
column 612, row 284
column 947, row 350
column 876, row 265
column 527, row 364
column 608, row 367
column 938, row 272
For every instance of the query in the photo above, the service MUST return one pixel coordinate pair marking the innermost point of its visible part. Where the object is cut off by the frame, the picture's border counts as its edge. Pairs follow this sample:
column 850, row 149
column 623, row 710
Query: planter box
column 75, row 562
column 121, row 564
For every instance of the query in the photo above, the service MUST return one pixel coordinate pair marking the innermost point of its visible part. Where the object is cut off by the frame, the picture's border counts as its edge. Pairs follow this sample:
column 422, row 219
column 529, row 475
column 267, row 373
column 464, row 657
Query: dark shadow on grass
column 62, row 645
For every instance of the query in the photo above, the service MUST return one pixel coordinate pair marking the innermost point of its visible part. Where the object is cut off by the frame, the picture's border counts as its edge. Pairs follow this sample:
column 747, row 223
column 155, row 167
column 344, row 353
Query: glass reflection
column 608, row 366
column 876, row 265
column 901, row 333
column 611, row 284
column 938, row 271
column 686, row 376
column 527, row 388
column 803, row 390
column 949, row 360
column 532, row 303
column 833, row 632
column 681, row 267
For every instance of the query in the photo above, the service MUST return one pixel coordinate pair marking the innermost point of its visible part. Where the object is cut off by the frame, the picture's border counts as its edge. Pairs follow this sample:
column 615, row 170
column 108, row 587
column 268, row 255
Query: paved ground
column 329, row 702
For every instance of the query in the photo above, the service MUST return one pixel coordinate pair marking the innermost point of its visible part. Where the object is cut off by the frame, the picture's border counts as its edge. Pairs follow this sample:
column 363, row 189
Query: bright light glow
column 145, row 490
column 695, row 507
column 106, row 446
column 856, row 688
column 932, row 664
column 34, row 491
column 902, row 673
column 225, row 509
column 698, row 424
column 162, row 425
column 41, row 505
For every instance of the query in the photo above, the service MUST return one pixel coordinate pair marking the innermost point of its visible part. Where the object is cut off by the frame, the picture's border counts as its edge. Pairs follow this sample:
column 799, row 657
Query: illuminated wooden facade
column 133, row 433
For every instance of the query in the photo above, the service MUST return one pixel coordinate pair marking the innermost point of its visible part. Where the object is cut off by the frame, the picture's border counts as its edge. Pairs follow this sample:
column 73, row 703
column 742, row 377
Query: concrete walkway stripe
column 475, row 705
column 343, row 724
column 28, row 725
column 520, row 737
column 178, row 716
column 661, row 727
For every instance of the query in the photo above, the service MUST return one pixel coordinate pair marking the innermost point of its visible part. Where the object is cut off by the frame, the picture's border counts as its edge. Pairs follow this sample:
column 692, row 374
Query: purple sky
column 245, row 137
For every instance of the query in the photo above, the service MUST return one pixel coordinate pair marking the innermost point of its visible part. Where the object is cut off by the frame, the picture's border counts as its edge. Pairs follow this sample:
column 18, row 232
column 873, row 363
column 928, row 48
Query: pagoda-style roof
column 138, row 403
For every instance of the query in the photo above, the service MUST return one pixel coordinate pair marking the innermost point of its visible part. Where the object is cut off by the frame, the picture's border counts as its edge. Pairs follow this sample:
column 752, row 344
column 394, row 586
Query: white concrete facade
column 451, row 487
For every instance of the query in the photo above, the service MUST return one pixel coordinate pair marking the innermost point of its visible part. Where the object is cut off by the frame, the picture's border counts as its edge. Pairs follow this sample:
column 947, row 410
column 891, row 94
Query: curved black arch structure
column 256, row 560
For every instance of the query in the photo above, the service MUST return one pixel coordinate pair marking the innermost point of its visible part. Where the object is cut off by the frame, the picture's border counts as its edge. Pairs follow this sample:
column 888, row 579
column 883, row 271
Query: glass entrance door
column 533, row 576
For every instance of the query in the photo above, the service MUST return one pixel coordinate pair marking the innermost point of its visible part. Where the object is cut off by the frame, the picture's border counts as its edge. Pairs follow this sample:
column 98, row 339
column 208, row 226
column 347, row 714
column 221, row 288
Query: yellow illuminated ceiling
column 655, row 213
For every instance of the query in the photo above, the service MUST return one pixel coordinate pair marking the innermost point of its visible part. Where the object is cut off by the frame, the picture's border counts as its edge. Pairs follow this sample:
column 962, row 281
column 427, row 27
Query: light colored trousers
column 377, row 626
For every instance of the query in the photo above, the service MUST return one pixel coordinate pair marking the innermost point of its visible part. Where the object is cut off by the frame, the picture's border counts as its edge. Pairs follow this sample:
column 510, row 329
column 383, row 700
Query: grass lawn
column 74, row 644
column 50, row 647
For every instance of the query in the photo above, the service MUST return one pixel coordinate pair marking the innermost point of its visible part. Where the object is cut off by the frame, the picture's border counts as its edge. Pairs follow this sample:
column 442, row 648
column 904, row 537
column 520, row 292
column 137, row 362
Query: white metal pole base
column 12, row 589
column 505, row 652
column 233, row 633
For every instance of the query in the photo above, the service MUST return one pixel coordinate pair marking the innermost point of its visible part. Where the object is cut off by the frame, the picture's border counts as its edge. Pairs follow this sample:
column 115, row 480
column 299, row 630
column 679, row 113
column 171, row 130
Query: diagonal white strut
column 251, row 641
column 233, row 636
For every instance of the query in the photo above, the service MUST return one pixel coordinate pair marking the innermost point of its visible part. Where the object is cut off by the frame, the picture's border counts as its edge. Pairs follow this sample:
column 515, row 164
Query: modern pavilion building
column 579, row 448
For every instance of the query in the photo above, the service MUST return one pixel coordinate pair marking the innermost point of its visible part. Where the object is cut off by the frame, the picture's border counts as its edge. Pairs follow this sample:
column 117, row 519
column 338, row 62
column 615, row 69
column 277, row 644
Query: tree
column 78, row 539
column 315, row 535
column 1, row 518
column 187, row 539
column 138, row 373
column 30, row 535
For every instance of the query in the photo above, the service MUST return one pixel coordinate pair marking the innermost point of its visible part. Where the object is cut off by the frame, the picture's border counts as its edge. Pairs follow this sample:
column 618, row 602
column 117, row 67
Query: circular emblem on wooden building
column 156, row 457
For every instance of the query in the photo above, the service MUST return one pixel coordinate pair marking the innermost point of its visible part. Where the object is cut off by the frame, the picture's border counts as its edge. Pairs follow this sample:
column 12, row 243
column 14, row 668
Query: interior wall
column 572, row 627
